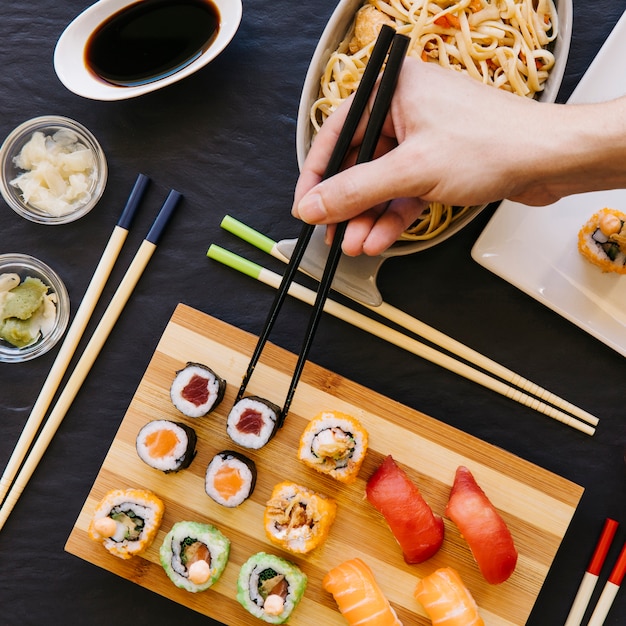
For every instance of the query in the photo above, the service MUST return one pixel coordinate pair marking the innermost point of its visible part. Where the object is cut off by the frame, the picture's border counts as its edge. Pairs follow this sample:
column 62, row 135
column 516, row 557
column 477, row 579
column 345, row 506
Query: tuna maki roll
column 298, row 519
column 230, row 478
column 194, row 555
column 126, row 521
column 252, row 422
column 335, row 444
column 166, row 446
column 197, row 390
column 270, row 587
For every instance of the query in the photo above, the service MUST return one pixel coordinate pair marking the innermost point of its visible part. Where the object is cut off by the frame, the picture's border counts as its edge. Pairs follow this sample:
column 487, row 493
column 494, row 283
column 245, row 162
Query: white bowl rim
column 332, row 34
column 69, row 51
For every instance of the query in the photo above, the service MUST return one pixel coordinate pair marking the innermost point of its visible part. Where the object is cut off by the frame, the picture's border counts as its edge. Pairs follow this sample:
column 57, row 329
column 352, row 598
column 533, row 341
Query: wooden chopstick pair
column 391, row 47
column 13, row 483
column 590, row 579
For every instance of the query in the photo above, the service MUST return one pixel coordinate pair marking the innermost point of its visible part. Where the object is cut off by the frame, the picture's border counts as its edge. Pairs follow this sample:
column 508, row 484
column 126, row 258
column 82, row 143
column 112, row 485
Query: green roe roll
column 270, row 587
column 194, row 555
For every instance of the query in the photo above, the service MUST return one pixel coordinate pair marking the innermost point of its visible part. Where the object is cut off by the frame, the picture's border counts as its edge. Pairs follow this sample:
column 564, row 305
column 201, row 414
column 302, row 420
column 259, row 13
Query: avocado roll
column 270, row 587
column 252, row 422
column 194, row 555
column 126, row 521
column 166, row 446
column 335, row 444
column 230, row 478
column 196, row 390
column 298, row 519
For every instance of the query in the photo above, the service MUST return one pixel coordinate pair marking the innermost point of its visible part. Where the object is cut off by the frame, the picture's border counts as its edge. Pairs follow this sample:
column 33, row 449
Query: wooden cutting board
column 536, row 504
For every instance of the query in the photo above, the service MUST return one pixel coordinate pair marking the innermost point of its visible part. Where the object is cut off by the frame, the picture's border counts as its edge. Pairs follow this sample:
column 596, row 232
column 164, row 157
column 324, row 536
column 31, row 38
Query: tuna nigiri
column 446, row 600
column 483, row 528
column 358, row 595
column 414, row 525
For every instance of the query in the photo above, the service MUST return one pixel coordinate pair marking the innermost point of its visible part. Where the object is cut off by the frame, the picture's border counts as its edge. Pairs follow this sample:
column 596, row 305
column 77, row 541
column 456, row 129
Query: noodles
column 502, row 43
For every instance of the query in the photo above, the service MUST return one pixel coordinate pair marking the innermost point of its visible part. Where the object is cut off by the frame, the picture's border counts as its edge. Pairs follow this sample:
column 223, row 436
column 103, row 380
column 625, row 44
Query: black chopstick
column 359, row 102
column 373, row 130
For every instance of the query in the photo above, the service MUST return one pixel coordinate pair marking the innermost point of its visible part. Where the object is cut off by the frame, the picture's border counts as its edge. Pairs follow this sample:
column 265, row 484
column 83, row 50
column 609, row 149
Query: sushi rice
column 270, row 587
column 189, row 544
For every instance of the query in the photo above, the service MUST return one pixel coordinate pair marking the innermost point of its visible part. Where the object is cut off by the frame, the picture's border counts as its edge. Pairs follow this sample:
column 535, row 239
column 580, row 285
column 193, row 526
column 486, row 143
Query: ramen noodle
column 503, row 43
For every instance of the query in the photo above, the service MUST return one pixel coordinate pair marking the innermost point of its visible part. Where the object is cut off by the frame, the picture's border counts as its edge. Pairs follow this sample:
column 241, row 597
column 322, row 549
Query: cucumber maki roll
column 196, row 390
column 126, row 521
column 270, row 587
column 194, row 555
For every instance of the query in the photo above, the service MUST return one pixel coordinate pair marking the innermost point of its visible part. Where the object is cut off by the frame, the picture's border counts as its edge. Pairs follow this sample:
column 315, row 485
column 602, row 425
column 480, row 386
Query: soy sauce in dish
column 150, row 40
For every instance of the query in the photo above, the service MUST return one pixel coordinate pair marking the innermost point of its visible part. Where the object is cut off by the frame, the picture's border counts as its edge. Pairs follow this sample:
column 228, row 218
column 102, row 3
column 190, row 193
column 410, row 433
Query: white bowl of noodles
column 325, row 85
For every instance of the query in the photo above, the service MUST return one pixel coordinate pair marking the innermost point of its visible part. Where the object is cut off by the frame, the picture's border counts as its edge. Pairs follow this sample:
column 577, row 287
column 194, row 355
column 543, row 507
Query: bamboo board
column 536, row 504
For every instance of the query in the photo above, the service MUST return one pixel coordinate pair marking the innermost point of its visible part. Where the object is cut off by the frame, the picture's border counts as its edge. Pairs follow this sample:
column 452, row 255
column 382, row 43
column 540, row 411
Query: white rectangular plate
column 535, row 248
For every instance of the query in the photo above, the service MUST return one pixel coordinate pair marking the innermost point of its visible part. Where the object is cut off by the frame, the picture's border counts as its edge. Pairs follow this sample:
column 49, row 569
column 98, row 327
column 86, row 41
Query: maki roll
column 270, row 587
column 166, row 446
column 126, row 521
column 197, row 390
column 602, row 240
column 298, row 519
column 252, row 422
column 230, row 478
column 334, row 443
column 194, row 555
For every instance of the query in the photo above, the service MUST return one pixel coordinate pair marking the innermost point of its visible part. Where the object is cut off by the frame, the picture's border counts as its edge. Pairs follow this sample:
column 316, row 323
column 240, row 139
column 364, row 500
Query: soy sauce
column 150, row 40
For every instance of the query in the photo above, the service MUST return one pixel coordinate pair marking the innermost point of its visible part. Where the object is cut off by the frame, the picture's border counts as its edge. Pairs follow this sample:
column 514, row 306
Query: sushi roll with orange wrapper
column 126, row 521
column 166, row 446
column 298, row 519
column 335, row 444
column 446, row 599
column 602, row 240
column 196, row 390
column 358, row 596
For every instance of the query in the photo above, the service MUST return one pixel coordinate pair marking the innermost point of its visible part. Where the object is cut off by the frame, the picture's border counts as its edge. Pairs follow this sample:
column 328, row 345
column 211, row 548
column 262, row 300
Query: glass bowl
column 27, row 266
column 57, row 182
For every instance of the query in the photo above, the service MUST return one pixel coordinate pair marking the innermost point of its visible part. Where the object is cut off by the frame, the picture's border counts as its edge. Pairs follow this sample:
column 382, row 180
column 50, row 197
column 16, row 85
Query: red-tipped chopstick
column 590, row 578
column 610, row 590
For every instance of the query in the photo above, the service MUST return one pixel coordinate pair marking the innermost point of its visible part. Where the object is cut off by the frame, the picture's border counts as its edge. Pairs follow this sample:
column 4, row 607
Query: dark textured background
column 225, row 139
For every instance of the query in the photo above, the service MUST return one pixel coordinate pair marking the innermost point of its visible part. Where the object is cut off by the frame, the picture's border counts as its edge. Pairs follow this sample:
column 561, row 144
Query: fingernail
column 311, row 208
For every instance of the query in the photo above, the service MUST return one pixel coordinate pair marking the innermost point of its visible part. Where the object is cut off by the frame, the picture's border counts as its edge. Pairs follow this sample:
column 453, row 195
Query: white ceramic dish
column 334, row 33
column 535, row 248
column 69, row 53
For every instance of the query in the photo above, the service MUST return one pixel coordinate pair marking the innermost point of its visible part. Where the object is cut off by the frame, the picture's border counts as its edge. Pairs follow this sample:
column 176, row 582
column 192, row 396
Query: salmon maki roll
column 196, row 390
column 298, row 519
column 230, row 478
column 335, row 444
column 126, row 521
column 446, row 599
column 166, row 446
column 358, row 596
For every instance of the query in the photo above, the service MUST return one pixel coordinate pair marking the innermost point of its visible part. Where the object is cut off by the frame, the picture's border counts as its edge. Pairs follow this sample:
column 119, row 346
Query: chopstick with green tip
column 406, row 321
column 89, row 355
column 75, row 332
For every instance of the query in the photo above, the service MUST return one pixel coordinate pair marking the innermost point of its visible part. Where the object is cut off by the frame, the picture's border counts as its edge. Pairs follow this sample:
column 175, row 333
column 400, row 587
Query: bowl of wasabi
column 34, row 308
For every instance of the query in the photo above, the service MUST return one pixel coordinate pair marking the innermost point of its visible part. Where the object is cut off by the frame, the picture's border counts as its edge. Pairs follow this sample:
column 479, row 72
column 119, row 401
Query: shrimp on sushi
column 358, row 596
column 446, row 599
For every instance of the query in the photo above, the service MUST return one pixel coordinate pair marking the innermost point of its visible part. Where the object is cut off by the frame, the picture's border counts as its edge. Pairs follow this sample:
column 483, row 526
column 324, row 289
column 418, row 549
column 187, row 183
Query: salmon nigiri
column 446, row 599
column 411, row 520
column 358, row 595
column 486, row 533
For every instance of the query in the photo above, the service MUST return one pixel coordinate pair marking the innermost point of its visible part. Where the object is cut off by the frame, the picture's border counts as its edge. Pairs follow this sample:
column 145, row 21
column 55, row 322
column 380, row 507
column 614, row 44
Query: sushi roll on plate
column 166, row 446
column 126, row 521
column 230, row 478
column 252, row 422
column 335, row 444
column 196, row 390
column 270, row 587
column 602, row 240
column 298, row 519
column 194, row 555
